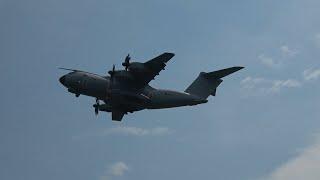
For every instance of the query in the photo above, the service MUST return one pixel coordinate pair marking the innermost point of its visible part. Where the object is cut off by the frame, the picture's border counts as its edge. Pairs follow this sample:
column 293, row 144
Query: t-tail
column 206, row 84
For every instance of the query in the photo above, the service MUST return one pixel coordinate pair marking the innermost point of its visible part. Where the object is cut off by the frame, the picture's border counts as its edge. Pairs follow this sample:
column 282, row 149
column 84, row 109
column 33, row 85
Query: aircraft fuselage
column 130, row 99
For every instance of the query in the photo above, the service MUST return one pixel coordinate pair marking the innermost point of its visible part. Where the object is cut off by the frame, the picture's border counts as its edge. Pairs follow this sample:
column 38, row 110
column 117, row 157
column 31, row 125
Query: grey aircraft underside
column 128, row 90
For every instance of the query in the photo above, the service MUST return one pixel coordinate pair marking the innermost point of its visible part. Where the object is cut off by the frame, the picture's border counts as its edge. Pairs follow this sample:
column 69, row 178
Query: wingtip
column 169, row 54
column 67, row 69
column 239, row 67
column 62, row 68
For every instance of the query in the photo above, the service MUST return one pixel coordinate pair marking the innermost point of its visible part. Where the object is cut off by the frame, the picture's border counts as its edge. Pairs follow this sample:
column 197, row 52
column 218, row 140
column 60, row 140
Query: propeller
column 111, row 73
column 96, row 107
column 126, row 62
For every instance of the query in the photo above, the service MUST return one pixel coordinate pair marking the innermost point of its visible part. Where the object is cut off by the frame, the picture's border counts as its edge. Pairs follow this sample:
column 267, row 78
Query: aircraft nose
column 62, row 79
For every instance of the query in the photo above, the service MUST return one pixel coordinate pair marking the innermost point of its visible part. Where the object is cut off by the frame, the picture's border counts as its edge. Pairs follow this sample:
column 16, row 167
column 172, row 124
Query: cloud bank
column 268, row 61
column 311, row 74
column 118, row 169
column 135, row 131
column 126, row 131
column 262, row 85
column 317, row 39
column 304, row 166
column 286, row 53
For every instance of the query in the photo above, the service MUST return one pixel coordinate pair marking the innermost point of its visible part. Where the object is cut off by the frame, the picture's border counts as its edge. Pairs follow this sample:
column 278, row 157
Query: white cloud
column 267, row 61
column 287, row 52
column 118, row 169
column 317, row 39
column 114, row 170
column 311, row 74
column 160, row 131
column 303, row 166
column 126, row 131
column 134, row 131
column 264, row 86
column 250, row 82
column 104, row 177
column 279, row 84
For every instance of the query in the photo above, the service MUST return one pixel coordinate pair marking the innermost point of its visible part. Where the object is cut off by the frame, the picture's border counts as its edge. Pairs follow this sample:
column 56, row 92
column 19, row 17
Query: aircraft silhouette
column 128, row 90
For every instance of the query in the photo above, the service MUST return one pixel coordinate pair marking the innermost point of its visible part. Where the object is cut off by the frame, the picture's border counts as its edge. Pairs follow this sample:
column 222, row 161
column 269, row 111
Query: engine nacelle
column 104, row 107
column 137, row 67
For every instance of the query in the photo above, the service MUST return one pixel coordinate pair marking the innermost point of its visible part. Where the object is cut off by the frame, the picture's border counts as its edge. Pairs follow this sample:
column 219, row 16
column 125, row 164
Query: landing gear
column 96, row 107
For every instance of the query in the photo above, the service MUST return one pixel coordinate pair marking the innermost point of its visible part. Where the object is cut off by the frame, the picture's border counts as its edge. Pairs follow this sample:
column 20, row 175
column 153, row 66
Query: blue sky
column 262, row 125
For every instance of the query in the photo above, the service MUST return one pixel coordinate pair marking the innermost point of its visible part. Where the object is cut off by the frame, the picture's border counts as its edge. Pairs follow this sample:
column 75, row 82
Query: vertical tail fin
column 206, row 84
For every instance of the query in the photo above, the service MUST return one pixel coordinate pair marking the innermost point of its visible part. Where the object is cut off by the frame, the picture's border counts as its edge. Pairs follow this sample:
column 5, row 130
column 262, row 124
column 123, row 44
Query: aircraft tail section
column 206, row 83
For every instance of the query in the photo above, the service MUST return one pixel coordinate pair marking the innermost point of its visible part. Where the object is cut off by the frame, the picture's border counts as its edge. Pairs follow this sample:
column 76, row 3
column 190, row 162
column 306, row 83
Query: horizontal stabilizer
column 206, row 83
column 223, row 72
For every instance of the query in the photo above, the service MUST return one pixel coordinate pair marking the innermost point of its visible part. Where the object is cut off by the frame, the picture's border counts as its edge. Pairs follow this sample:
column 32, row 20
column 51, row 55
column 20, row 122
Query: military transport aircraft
column 128, row 90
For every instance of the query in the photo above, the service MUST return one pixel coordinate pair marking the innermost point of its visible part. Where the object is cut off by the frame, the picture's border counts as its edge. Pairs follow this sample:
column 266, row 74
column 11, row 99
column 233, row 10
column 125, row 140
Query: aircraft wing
column 117, row 115
column 154, row 67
